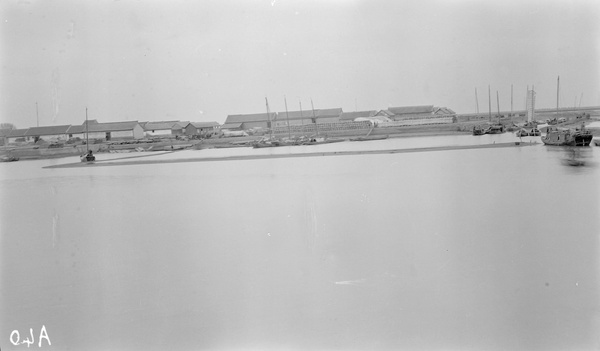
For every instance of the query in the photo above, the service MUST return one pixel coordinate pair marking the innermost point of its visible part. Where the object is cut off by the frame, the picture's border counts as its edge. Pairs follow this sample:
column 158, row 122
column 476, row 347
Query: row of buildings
column 241, row 122
column 108, row 131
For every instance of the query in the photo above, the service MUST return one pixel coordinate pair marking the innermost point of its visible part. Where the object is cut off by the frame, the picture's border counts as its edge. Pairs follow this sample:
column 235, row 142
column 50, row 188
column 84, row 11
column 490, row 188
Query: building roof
column 113, row 126
column 357, row 114
column 411, row 109
column 231, row 125
column 328, row 112
column 76, row 129
column 180, row 125
column 305, row 114
column 281, row 116
column 203, row 124
column 48, row 130
column 255, row 117
column 4, row 132
column 162, row 125
column 16, row 133
column 444, row 111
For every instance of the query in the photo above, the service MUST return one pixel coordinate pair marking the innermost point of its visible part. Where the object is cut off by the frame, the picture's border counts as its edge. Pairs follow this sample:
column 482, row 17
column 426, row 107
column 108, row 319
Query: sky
column 202, row 60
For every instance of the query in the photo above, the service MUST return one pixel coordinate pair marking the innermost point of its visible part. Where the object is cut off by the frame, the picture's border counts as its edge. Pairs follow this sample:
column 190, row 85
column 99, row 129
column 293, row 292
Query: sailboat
column 564, row 136
column 88, row 156
column 496, row 128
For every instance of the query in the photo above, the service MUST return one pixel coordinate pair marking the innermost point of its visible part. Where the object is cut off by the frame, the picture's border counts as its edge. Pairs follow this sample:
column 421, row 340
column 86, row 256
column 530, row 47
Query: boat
column 522, row 132
column 567, row 137
column 597, row 142
column 478, row 130
column 88, row 157
column 9, row 159
column 370, row 137
column 320, row 140
column 495, row 129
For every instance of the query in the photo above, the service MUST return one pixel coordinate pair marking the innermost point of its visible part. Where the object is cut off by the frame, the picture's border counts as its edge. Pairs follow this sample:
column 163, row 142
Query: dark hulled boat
column 567, row 137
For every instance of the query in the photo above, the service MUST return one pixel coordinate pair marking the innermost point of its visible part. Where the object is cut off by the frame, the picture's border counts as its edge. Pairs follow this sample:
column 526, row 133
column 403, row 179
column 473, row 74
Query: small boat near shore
column 478, row 130
column 370, row 137
column 320, row 140
column 9, row 159
column 88, row 156
column 495, row 129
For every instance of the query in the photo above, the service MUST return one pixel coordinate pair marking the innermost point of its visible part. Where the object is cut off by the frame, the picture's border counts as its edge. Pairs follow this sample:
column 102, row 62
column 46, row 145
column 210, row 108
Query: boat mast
column 314, row 117
column 511, row 102
column 301, row 115
column 498, row 105
column 269, row 123
column 476, row 101
column 490, row 104
column 287, row 117
column 87, row 134
column 557, row 93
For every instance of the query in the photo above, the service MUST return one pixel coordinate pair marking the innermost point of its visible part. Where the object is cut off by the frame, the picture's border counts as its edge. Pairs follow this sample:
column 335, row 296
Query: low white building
column 108, row 131
column 48, row 133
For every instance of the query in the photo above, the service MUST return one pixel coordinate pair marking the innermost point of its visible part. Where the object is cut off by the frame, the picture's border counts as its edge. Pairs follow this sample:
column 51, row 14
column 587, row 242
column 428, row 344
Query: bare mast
column 498, row 105
column 314, row 117
column 269, row 123
column 490, row 104
column 477, row 101
column 557, row 94
column 87, row 134
column 287, row 117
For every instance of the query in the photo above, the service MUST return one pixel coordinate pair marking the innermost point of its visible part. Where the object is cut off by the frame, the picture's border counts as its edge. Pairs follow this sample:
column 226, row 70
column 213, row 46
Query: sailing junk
column 567, row 137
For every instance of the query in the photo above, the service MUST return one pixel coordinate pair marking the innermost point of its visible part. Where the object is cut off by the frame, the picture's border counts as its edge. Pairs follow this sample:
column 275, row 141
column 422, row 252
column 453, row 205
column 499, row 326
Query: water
column 469, row 249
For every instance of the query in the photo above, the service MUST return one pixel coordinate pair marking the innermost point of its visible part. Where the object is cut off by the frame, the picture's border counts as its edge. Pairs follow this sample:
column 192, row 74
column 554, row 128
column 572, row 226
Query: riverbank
column 31, row 152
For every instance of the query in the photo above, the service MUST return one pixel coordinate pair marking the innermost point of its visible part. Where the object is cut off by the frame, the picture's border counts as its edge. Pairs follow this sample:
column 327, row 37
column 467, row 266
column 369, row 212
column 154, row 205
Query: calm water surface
column 489, row 249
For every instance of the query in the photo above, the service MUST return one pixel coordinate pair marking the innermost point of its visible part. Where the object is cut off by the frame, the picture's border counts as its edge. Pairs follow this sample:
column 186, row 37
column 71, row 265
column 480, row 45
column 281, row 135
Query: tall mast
column 532, row 102
column 477, row 100
column 301, row 116
column 557, row 93
column 511, row 101
column 314, row 117
column 287, row 117
column 490, row 104
column 269, row 123
column 498, row 105
column 87, row 135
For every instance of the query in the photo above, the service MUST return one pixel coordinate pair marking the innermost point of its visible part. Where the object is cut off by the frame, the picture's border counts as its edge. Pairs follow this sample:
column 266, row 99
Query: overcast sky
column 202, row 60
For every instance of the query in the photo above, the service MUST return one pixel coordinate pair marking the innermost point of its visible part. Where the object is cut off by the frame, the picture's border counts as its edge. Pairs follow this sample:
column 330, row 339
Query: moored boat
column 495, row 129
column 9, row 159
column 522, row 133
column 370, row 137
column 567, row 137
column 88, row 156
column 478, row 130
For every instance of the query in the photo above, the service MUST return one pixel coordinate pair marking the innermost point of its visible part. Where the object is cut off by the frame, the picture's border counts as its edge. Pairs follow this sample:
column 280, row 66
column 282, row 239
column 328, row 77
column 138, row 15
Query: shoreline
column 34, row 152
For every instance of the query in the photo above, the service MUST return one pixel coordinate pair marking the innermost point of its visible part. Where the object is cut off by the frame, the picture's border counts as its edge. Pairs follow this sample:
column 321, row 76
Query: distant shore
column 30, row 152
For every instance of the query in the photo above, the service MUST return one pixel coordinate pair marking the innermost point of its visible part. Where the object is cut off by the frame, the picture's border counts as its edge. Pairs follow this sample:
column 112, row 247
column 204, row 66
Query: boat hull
column 565, row 139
